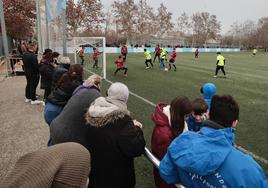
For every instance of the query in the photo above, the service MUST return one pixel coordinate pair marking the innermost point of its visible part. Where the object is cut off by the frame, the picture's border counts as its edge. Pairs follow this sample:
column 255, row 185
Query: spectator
column 31, row 71
column 208, row 90
column 62, row 92
column 113, row 139
column 62, row 67
column 59, row 166
column 13, row 61
column 72, row 118
column 169, row 122
column 46, row 69
column 210, row 157
column 55, row 56
column 198, row 115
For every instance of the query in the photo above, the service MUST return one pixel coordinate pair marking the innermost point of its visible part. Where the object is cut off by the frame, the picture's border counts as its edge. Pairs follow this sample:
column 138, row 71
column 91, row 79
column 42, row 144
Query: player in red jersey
column 95, row 56
column 196, row 53
column 82, row 55
column 120, row 66
column 157, row 52
column 173, row 56
column 124, row 52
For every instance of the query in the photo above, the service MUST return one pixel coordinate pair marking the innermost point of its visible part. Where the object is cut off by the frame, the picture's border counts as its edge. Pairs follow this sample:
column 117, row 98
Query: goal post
column 75, row 44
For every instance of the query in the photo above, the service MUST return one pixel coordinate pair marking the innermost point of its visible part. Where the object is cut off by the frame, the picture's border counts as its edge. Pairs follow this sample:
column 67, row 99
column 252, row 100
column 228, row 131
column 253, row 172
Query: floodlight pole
column 38, row 20
column 64, row 33
column 104, row 57
column 47, row 30
column 4, row 33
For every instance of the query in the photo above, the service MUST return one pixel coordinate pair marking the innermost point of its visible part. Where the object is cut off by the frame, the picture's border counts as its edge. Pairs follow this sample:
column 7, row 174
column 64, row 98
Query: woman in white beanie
column 113, row 139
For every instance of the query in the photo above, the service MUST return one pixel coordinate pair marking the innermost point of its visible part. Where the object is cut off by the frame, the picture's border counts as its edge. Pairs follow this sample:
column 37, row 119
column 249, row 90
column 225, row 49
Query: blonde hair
column 92, row 80
column 65, row 60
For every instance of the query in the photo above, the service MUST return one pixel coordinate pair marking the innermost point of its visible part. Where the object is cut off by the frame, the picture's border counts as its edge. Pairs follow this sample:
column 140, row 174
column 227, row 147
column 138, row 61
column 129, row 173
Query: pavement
column 22, row 126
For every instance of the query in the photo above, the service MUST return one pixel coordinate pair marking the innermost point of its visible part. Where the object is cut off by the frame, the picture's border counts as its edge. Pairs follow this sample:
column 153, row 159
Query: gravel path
column 22, row 126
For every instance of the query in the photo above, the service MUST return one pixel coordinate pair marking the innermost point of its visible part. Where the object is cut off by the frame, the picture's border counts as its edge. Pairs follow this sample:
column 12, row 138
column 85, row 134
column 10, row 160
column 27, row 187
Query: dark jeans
column 123, row 68
column 31, row 85
column 158, row 56
column 219, row 68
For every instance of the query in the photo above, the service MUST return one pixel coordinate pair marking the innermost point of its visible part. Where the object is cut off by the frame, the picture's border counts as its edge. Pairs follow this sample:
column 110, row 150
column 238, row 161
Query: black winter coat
column 46, row 70
column 30, row 64
column 113, row 141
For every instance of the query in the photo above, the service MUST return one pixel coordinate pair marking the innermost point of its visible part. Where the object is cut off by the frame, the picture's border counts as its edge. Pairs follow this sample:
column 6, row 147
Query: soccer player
column 124, row 52
column 120, row 66
column 196, row 53
column 148, row 58
column 173, row 56
column 96, row 54
column 254, row 52
column 220, row 64
column 157, row 52
column 163, row 56
column 81, row 55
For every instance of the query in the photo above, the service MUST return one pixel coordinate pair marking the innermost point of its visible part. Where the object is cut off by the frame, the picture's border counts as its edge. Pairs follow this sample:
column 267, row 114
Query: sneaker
column 27, row 100
column 36, row 102
column 215, row 76
column 147, row 67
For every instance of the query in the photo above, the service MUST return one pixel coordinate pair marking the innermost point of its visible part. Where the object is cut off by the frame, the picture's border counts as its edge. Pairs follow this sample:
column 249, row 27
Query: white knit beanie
column 118, row 91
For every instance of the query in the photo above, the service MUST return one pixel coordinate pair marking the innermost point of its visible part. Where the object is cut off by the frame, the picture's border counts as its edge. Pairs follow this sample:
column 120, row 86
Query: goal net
column 91, row 63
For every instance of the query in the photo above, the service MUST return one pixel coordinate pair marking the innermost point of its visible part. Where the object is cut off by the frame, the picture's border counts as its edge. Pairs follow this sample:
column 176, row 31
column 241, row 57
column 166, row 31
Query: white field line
column 261, row 159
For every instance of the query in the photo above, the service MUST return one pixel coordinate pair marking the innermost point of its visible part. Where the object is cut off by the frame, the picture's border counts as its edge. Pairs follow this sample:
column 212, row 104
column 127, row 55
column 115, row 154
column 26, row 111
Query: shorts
column 171, row 61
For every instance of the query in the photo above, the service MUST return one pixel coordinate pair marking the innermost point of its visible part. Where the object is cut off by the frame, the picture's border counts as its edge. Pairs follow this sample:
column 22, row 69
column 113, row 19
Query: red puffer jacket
column 161, row 138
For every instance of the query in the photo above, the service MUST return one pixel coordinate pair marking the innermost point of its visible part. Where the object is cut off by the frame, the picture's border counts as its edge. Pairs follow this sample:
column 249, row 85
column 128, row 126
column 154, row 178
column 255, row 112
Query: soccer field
column 247, row 82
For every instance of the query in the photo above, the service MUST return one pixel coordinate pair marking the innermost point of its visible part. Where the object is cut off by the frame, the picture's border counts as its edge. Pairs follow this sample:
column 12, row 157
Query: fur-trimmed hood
column 105, row 110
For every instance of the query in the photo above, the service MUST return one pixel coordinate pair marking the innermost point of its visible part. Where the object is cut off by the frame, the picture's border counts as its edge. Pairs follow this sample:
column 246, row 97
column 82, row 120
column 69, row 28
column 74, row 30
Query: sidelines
column 261, row 159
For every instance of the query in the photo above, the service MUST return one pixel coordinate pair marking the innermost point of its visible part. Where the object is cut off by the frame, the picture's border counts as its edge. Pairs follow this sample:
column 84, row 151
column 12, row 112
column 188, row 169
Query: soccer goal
column 75, row 44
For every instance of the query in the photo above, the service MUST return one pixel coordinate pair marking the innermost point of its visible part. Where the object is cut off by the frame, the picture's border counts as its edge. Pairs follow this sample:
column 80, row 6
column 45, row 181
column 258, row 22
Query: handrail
column 155, row 161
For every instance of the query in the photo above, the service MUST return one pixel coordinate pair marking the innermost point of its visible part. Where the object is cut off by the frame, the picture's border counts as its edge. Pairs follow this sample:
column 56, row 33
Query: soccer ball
column 166, row 69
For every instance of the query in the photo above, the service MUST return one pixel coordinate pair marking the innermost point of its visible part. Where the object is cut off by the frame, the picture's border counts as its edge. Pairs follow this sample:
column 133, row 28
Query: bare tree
column 126, row 17
column 205, row 26
column 183, row 23
column 262, row 33
column 145, row 21
column 164, row 20
column 84, row 15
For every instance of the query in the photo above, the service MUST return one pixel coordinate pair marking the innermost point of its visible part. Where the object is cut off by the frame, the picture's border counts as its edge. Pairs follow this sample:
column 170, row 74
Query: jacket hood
column 158, row 116
column 209, row 90
column 203, row 152
column 105, row 110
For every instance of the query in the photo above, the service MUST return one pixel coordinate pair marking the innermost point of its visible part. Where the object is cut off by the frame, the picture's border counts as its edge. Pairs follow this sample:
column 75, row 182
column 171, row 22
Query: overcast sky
column 227, row 11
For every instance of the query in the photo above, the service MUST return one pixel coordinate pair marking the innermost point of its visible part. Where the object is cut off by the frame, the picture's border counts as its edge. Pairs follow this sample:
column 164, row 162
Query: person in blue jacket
column 208, row 90
column 209, row 158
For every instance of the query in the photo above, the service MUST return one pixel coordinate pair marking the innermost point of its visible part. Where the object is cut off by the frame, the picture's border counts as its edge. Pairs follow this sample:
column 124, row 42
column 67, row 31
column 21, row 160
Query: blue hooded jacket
column 208, row 90
column 209, row 159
